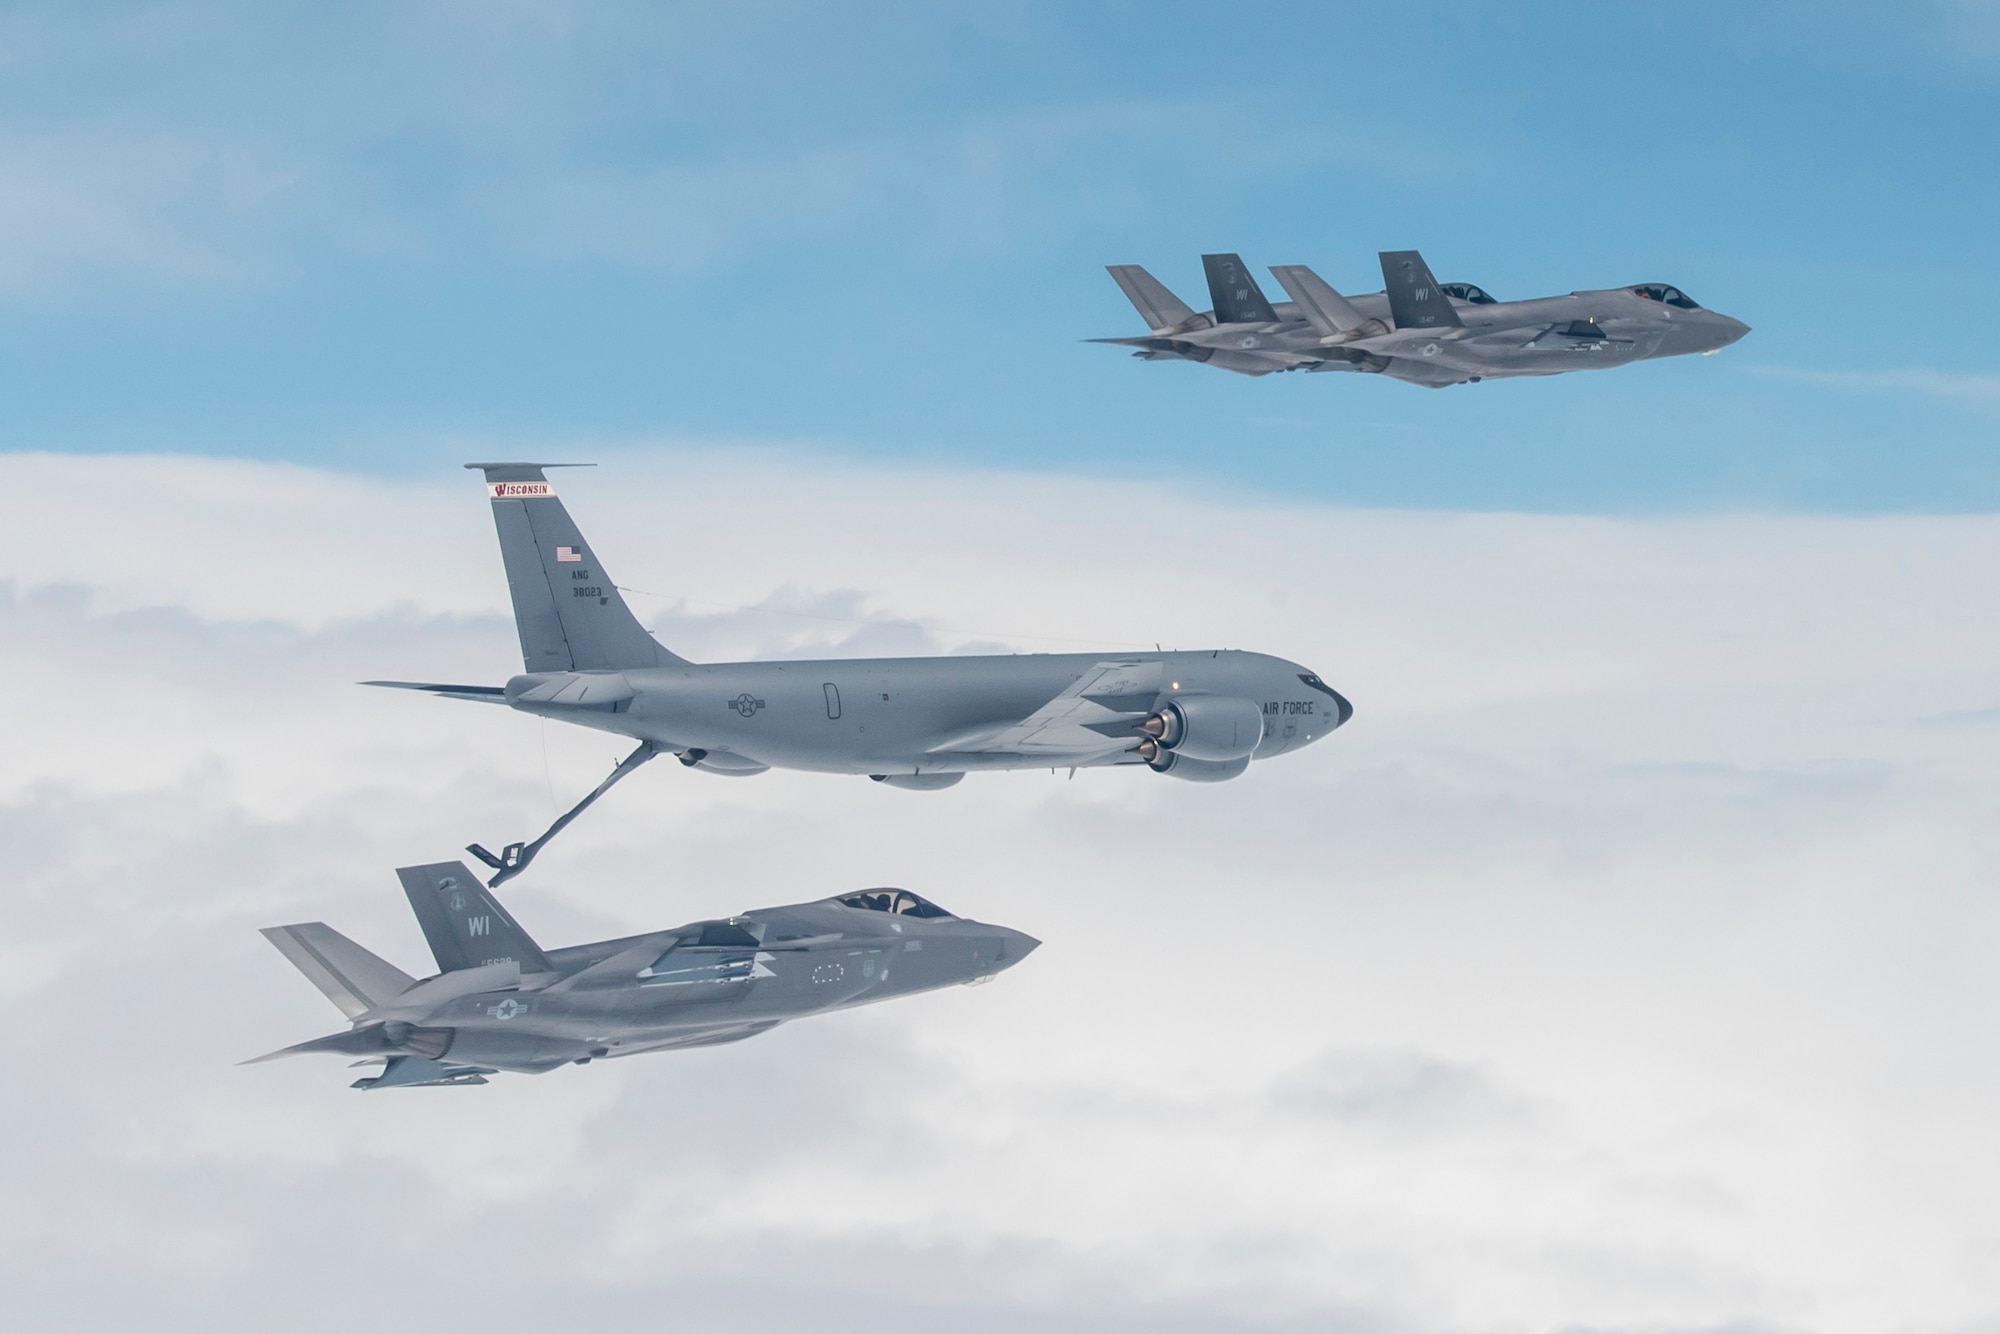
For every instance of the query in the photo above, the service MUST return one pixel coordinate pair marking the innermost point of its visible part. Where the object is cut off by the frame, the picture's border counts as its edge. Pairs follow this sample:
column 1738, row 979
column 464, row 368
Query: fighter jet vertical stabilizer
column 465, row 925
column 1238, row 299
column 1415, row 300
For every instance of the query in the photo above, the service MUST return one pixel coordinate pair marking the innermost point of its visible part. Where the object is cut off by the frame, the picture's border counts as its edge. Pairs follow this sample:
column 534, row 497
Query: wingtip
column 268, row 1056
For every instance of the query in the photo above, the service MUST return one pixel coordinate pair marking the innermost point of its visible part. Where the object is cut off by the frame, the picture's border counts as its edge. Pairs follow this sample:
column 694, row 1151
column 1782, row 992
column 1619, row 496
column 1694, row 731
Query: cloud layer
column 1625, row 965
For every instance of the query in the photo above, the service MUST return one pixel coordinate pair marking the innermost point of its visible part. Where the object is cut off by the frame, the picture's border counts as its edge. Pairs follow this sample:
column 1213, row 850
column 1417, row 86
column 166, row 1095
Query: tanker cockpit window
column 1313, row 682
column 900, row 902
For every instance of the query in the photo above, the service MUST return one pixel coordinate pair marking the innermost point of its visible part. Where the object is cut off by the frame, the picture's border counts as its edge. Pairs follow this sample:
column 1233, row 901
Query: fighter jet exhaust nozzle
column 1215, row 728
column 429, row 1042
column 1173, row 349
column 1355, row 359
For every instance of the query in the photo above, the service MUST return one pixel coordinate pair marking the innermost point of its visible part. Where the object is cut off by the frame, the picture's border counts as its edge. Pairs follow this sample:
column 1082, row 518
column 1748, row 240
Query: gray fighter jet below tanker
column 908, row 722
column 1415, row 329
column 500, row 1002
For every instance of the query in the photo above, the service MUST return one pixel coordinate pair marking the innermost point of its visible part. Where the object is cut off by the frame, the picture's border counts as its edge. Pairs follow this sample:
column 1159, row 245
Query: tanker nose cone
column 1342, row 710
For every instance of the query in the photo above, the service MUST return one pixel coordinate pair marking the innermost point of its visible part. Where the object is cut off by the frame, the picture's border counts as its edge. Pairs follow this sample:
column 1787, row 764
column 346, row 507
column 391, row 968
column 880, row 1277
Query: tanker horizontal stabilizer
column 477, row 694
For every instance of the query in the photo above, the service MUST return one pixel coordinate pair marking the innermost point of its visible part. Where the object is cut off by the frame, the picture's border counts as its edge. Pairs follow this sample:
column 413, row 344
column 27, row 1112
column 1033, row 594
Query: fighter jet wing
column 1400, row 342
column 1095, row 716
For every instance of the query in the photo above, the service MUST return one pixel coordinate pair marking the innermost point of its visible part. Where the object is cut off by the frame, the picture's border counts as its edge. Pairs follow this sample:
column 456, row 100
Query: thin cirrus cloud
column 1976, row 389
column 110, row 201
column 1572, row 985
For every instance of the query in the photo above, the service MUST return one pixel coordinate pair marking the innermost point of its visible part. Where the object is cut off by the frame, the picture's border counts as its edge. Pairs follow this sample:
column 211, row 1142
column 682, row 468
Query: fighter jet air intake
column 500, row 1002
column 1415, row 329
column 906, row 722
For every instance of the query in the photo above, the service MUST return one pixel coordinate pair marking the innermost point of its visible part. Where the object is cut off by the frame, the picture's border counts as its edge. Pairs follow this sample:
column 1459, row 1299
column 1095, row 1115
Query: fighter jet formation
column 1415, row 329
column 498, row 1001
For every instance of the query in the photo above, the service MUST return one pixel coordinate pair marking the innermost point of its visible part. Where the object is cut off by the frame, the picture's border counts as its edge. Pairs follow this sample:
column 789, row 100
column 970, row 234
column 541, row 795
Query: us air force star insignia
column 506, row 1009
column 746, row 704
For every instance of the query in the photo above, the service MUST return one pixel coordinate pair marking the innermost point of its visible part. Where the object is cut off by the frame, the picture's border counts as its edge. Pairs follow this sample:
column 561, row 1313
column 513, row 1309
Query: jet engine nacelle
column 721, row 762
column 1207, row 727
column 918, row 782
column 1198, row 771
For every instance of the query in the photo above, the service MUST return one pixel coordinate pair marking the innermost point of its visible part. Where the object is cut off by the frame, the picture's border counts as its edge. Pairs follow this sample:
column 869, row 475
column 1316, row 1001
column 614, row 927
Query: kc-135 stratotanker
column 500, row 1002
column 906, row 722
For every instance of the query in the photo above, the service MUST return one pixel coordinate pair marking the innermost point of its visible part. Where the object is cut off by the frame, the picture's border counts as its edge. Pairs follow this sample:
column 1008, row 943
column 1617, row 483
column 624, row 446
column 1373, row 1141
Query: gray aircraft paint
column 1416, row 329
column 500, row 1002
column 911, row 722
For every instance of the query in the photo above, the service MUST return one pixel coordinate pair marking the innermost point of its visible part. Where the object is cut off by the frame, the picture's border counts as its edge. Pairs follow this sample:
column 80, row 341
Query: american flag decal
column 568, row 554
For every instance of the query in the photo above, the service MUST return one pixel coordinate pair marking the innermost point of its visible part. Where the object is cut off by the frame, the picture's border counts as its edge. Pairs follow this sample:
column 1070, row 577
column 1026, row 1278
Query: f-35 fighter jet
column 500, row 1002
column 907, row 722
column 1415, row 329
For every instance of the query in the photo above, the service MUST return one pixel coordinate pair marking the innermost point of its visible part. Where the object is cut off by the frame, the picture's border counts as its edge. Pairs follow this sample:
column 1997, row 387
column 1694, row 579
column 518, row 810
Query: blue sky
column 384, row 237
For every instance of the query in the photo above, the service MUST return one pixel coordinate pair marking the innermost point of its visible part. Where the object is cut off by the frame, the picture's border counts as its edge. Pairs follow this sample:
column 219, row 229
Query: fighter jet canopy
column 1673, row 296
column 1467, row 292
column 900, row 902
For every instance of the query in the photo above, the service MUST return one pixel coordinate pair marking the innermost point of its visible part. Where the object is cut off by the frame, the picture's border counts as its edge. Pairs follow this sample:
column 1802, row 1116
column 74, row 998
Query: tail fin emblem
column 568, row 554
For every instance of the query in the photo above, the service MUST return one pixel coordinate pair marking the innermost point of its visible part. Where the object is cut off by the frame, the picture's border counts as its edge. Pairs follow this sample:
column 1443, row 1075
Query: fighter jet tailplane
column 1161, row 309
column 1331, row 315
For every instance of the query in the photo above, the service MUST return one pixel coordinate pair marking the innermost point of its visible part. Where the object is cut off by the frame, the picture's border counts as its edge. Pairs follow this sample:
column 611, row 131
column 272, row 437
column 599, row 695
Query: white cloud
column 1622, row 966
column 121, row 200
column 1976, row 389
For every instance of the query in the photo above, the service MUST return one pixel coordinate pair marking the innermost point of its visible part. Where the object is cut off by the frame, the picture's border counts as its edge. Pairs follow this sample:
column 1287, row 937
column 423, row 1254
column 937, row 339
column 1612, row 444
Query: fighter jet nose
column 1723, row 332
column 1016, row 946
